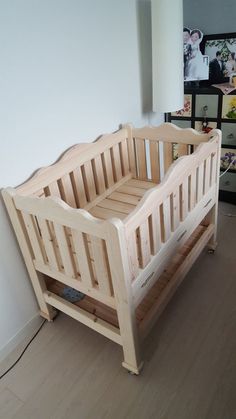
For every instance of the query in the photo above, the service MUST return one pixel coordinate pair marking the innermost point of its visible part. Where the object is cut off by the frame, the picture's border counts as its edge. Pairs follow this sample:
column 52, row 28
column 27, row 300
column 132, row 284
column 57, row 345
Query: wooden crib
column 121, row 220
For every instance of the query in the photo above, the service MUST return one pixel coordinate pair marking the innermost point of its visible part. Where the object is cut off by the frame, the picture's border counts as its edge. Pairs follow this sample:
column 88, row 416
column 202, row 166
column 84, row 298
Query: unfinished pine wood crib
column 122, row 222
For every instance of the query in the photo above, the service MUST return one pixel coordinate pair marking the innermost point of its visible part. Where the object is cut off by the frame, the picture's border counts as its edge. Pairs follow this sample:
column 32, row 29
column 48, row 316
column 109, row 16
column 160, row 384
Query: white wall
column 70, row 71
column 211, row 16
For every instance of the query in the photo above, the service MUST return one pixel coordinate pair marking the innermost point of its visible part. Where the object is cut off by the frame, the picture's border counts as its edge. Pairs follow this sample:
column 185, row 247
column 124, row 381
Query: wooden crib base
column 154, row 302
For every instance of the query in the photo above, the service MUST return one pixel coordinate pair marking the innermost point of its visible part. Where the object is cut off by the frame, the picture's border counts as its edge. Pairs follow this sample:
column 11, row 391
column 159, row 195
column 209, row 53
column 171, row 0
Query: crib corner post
column 37, row 279
column 121, row 279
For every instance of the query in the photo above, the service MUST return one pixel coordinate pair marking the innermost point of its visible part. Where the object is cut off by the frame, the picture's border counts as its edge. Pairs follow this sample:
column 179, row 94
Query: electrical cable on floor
column 22, row 353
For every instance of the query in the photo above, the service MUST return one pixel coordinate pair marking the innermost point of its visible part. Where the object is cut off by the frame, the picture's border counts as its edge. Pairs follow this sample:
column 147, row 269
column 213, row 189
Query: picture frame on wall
column 187, row 109
column 229, row 107
column 228, row 159
column 221, row 49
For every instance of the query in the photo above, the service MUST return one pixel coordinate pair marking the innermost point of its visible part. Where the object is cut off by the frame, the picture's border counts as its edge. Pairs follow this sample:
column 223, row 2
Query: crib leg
column 211, row 218
column 132, row 360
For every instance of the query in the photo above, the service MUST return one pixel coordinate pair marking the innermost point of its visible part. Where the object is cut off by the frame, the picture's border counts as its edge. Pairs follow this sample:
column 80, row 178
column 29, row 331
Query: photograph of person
column 217, row 69
column 221, row 49
column 195, row 64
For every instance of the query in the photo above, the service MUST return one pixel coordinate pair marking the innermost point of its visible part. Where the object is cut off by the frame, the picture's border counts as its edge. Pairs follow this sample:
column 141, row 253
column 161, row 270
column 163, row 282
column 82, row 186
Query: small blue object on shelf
column 72, row 295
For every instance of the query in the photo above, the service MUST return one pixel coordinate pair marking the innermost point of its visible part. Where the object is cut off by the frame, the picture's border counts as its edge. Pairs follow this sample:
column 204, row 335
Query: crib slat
column 33, row 236
column 133, row 255
column 107, row 167
column 213, row 169
column 64, row 250
column 88, row 178
column 116, row 163
column 83, row 257
column 182, row 149
column 207, row 174
column 192, row 190
column 116, row 206
column 66, row 190
column 47, row 237
column 155, row 162
column 155, row 231
column 144, row 244
column 99, row 175
column 131, row 190
column 175, row 210
column 184, row 199
column 165, row 219
column 78, row 186
column 168, row 155
column 52, row 190
column 101, row 265
column 124, row 157
column 141, row 158
column 200, row 182
column 123, row 197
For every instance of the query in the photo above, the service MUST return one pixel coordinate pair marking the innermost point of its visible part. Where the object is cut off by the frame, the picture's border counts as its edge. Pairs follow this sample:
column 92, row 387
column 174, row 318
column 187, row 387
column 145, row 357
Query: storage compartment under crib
column 156, row 299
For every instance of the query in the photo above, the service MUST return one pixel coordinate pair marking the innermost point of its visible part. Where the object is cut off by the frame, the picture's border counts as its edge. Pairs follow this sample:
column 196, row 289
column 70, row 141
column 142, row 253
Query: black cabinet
column 205, row 108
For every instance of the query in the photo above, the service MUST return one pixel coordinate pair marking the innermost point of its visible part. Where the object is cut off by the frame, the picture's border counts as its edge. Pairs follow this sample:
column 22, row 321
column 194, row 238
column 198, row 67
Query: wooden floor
column 70, row 372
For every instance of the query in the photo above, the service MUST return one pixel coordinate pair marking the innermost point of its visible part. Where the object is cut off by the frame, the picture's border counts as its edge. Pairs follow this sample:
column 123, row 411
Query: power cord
column 22, row 353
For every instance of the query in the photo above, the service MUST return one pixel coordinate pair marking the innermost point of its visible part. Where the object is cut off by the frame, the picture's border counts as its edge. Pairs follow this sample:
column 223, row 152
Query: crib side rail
column 168, row 213
column 84, row 172
column 68, row 245
column 155, row 148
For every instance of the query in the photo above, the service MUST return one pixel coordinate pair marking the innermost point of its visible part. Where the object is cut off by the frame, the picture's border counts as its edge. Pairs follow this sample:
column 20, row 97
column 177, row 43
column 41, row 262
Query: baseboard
column 26, row 332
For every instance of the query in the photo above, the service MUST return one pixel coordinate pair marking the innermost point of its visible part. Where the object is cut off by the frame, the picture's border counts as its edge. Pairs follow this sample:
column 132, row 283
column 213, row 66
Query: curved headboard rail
column 171, row 133
column 72, row 158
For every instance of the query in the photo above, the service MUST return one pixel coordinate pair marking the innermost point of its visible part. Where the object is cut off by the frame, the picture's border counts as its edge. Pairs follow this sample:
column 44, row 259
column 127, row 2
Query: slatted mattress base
column 121, row 202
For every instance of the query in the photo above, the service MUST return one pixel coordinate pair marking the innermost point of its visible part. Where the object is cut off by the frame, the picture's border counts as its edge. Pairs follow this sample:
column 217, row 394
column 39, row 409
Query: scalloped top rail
column 88, row 173
column 172, row 133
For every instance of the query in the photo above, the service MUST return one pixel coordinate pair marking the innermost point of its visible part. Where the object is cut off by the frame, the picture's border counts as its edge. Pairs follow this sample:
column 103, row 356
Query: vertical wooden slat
column 133, row 255
column 102, row 269
column 141, row 158
column 165, row 218
column 184, row 199
column 88, row 179
column 48, row 242
column 131, row 151
column 168, row 155
column 66, row 190
column 175, row 209
column 155, row 161
column 207, row 174
column 200, row 182
column 33, row 236
column 155, row 231
column 63, row 244
column 192, row 189
column 213, row 169
column 83, row 257
column 78, row 187
column 107, row 168
column 98, row 175
column 52, row 190
column 124, row 157
column 144, row 244
column 116, row 162
column 182, row 149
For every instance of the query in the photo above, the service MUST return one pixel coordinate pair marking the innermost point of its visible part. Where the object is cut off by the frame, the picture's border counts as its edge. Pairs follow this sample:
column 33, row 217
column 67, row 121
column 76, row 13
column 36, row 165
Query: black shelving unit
column 216, row 103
